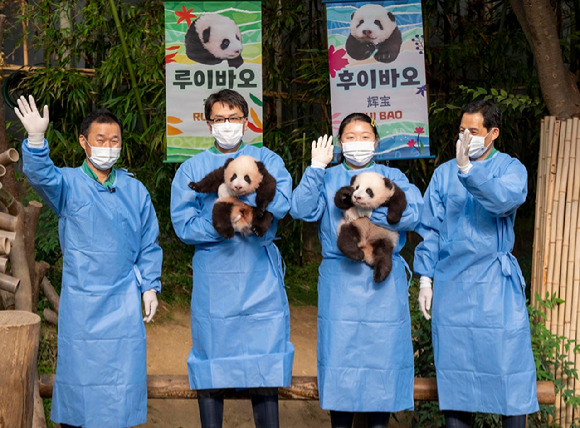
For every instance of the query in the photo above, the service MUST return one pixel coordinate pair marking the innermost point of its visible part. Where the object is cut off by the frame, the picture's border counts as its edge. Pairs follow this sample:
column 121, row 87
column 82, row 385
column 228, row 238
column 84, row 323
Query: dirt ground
column 168, row 344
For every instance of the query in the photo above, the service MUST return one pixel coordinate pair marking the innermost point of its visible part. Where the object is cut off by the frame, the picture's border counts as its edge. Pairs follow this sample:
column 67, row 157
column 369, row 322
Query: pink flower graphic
column 336, row 60
column 410, row 143
column 419, row 130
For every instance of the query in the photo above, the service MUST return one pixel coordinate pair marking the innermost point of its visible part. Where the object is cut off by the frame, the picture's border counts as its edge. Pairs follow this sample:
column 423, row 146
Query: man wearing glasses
column 240, row 321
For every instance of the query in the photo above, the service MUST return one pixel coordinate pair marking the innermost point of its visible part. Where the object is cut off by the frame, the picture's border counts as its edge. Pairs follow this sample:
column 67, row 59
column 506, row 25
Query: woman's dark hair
column 228, row 97
column 99, row 116
column 357, row 117
column 489, row 111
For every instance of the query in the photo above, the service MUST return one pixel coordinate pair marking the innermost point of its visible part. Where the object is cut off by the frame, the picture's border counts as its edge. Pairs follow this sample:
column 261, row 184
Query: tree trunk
column 19, row 335
column 558, row 84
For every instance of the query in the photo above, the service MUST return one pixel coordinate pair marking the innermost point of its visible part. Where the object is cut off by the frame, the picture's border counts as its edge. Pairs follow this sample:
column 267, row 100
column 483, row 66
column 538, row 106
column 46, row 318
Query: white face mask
column 477, row 145
column 103, row 158
column 358, row 153
column 227, row 134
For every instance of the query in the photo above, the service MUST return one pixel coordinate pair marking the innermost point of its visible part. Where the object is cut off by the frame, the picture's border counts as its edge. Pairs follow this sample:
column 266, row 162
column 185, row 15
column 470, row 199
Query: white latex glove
column 462, row 152
column 425, row 296
column 322, row 152
column 150, row 303
column 34, row 124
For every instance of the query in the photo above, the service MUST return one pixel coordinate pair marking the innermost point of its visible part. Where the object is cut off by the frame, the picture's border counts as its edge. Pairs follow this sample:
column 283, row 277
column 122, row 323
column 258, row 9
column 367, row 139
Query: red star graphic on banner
column 185, row 15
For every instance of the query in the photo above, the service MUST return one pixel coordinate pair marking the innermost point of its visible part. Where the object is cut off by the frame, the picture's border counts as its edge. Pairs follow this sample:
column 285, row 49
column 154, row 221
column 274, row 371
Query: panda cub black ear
column 396, row 204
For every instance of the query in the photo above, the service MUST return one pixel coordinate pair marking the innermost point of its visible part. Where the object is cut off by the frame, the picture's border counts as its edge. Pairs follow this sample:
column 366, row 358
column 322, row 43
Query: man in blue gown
column 481, row 332
column 108, row 235
column 240, row 320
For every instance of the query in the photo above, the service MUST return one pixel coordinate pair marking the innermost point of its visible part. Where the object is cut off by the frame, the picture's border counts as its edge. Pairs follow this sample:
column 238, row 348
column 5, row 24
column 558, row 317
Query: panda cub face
column 242, row 175
column 371, row 190
column 372, row 23
column 219, row 35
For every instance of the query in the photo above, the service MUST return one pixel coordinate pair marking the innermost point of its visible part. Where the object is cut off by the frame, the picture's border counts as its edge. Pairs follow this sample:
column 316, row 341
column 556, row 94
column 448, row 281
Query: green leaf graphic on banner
column 256, row 100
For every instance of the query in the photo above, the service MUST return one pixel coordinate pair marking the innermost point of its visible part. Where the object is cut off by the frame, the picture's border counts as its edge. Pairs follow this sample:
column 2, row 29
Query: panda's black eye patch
column 247, row 179
column 370, row 193
column 234, row 177
column 237, row 37
column 225, row 44
column 378, row 24
column 356, row 188
column 361, row 22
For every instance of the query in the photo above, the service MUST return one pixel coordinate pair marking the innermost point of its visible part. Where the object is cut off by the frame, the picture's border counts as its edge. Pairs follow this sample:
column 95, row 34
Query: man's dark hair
column 99, row 116
column 228, row 97
column 489, row 111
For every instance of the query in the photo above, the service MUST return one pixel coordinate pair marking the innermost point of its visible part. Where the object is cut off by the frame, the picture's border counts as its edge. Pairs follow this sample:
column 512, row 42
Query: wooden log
column 50, row 293
column 9, row 283
column 302, row 388
column 9, row 157
column 50, row 316
column 2, row 171
column 19, row 336
column 38, row 418
column 7, row 222
column 31, row 215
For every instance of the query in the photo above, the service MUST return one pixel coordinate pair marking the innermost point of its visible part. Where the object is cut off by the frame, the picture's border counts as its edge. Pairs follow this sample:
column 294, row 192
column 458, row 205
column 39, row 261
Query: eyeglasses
column 234, row 119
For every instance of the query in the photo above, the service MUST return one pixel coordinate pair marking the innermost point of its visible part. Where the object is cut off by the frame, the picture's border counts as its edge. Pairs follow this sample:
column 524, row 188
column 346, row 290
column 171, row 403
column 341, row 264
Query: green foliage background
column 473, row 48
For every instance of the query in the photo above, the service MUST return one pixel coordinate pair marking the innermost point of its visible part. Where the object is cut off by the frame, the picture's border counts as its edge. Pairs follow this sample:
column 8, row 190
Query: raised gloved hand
column 150, row 303
column 462, row 152
column 322, row 152
column 425, row 296
column 33, row 122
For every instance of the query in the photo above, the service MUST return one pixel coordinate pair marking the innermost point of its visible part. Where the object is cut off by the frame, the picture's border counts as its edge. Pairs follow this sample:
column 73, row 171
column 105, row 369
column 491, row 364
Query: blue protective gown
column 110, row 257
column 365, row 353
column 240, row 320
column 481, row 332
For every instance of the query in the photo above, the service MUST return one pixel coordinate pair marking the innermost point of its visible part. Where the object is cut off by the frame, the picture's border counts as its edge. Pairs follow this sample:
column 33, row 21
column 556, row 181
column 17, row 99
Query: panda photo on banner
column 377, row 67
column 209, row 46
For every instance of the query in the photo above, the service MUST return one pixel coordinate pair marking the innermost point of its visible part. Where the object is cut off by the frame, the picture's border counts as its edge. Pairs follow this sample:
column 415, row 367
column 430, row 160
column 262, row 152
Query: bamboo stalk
column 5, row 245
column 7, row 222
column 567, row 273
column 536, row 254
column 573, row 259
column 9, row 283
column 11, row 236
column 551, row 180
column 3, row 263
column 558, row 155
column 9, row 156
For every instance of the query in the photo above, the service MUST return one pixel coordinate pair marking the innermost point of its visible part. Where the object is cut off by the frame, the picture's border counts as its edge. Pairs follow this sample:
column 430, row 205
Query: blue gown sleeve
column 281, row 203
column 150, row 255
column 44, row 177
column 410, row 217
column 189, row 224
column 502, row 195
column 308, row 204
column 432, row 216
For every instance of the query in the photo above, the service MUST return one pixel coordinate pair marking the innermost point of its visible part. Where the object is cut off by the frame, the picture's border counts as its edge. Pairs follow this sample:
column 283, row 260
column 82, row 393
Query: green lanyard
column 107, row 183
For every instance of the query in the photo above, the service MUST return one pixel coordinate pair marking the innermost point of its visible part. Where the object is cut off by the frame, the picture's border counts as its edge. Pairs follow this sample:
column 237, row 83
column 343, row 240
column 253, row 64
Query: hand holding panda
column 238, row 177
column 358, row 238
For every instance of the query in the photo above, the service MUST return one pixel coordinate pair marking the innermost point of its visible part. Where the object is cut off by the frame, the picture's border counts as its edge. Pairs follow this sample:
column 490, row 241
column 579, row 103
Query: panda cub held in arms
column 238, row 177
column 372, row 28
column 212, row 38
column 358, row 238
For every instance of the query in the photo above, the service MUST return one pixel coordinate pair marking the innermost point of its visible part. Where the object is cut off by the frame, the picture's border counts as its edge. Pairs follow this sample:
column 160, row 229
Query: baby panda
column 358, row 238
column 238, row 177
column 372, row 28
column 212, row 38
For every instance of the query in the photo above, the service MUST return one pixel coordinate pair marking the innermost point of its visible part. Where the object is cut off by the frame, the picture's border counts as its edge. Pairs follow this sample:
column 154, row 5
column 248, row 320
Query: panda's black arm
column 343, row 197
column 266, row 190
column 210, row 183
column 396, row 205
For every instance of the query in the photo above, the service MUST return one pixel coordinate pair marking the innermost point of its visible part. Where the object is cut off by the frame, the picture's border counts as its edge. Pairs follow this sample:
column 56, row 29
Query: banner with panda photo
column 209, row 46
column 377, row 66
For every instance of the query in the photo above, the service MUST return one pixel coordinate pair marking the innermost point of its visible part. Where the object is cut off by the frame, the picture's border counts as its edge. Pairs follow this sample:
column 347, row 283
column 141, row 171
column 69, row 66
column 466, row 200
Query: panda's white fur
column 241, row 177
column 371, row 23
column 212, row 38
column 359, row 238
